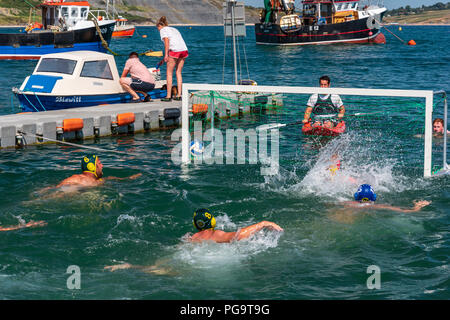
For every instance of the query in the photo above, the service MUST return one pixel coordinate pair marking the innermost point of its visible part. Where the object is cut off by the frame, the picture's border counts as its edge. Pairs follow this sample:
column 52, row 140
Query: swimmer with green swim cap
column 205, row 223
column 91, row 176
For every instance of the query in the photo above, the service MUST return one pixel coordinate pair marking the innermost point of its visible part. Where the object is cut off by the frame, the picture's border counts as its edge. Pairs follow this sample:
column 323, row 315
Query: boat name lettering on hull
column 68, row 99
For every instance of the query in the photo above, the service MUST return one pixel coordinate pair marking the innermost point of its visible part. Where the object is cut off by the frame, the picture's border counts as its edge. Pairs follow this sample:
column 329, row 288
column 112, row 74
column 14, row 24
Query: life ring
column 372, row 23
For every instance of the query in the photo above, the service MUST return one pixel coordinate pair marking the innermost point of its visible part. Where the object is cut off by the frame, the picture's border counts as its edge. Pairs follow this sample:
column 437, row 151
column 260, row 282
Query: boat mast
column 234, row 26
column 233, row 32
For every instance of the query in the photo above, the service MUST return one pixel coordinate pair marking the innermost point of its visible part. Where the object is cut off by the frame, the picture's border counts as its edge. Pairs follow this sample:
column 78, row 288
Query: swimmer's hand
column 32, row 223
column 272, row 226
column 118, row 267
column 135, row 176
column 420, row 204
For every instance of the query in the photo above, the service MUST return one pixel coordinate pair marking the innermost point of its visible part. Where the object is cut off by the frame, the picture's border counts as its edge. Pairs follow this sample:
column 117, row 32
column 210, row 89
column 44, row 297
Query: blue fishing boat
column 76, row 79
column 66, row 26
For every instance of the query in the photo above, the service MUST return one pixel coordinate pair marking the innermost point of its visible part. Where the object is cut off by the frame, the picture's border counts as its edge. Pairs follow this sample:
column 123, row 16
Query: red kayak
column 319, row 130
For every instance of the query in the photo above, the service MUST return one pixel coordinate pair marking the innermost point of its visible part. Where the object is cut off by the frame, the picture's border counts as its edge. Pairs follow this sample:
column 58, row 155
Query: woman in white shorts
column 175, row 52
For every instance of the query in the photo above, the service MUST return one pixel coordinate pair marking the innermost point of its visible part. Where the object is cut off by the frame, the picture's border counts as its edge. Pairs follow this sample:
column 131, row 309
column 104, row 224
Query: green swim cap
column 89, row 164
column 203, row 219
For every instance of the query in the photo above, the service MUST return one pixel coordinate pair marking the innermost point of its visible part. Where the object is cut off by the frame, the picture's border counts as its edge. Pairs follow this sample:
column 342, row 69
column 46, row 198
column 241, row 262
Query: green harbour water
column 321, row 254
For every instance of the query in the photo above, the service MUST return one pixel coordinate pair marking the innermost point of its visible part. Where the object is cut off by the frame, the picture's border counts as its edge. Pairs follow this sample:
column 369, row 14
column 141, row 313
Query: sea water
column 320, row 255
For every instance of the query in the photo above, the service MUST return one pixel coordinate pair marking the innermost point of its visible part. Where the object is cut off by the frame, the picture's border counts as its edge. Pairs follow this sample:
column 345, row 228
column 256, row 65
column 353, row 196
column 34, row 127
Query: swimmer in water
column 91, row 176
column 30, row 224
column 365, row 198
column 205, row 223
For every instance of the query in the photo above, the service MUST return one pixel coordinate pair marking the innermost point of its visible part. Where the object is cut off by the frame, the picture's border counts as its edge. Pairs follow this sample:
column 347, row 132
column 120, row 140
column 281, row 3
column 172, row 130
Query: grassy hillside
column 17, row 12
column 427, row 17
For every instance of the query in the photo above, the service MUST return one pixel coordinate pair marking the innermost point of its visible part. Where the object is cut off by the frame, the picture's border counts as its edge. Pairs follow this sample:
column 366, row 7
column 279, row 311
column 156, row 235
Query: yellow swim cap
column 89, row 164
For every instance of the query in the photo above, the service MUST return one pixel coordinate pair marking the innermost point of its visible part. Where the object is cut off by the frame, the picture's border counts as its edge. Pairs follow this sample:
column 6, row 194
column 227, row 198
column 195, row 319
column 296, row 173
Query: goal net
column 380, row 125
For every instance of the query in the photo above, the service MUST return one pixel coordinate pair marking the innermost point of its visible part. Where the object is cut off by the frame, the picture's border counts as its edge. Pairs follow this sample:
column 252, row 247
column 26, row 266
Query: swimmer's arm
column 134, row 176
column 417, row 206
column 250, row 230
column 26, row 225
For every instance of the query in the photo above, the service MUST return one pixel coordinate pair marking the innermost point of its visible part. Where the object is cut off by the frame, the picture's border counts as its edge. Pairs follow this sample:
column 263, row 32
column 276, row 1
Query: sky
column 390, row 4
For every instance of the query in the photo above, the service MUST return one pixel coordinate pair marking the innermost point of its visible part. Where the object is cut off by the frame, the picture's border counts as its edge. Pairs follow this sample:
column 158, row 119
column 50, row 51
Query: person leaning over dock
column 175, row 53
column 324, row 105
column 141, row 79
column 91, row 176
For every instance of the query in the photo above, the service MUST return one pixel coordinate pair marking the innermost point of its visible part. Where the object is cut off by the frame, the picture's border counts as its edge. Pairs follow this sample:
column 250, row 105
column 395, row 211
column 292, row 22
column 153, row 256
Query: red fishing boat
column 123, row 29
column 319, row 22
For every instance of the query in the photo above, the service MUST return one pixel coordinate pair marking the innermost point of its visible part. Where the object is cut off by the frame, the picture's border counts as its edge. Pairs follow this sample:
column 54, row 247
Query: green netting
column 244, row 109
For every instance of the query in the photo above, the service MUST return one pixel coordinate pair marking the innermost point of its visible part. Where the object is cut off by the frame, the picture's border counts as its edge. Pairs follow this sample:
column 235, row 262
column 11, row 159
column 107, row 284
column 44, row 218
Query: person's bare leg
column 180, row 64
column 126, row 86
column 170, row 67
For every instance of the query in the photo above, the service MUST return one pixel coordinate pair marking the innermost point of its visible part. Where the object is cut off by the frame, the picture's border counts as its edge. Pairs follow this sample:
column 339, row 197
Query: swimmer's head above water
column 92, row 164
column 203, row 220
column 365, row 193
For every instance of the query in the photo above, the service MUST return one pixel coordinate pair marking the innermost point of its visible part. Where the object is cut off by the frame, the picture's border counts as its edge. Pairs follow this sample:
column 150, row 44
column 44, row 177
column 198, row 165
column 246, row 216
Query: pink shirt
column 138, row 70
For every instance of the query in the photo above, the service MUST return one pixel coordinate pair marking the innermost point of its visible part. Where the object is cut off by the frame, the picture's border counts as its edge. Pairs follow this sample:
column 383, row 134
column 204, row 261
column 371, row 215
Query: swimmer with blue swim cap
column 365, row 193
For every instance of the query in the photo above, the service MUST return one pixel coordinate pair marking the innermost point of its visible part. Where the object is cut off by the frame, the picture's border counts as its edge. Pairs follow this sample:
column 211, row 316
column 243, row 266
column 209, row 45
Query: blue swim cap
column 365, row 193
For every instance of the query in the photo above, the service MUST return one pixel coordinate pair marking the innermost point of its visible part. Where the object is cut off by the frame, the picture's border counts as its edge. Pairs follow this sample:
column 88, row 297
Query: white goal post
column 426, row 94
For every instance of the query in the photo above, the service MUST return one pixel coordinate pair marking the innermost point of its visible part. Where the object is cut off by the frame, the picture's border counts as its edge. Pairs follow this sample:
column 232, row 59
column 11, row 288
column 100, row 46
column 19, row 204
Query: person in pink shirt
column 141, row 79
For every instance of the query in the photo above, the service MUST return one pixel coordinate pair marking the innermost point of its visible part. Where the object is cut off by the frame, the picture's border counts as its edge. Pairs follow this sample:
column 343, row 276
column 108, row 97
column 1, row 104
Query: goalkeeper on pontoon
column 327, row 105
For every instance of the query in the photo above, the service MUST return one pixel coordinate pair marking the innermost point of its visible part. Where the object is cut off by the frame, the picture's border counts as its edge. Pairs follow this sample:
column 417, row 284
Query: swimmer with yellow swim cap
column 205, row 223
column 91, row 176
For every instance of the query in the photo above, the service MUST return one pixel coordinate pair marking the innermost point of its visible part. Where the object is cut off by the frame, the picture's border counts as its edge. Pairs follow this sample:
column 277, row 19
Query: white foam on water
column 361, row 163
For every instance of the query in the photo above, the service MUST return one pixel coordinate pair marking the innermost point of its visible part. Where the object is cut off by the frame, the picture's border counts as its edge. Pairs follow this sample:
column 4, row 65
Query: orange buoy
column 199, row 108
column 125, row 118
column 411, row 43
column 144, row 36
column 74, row 124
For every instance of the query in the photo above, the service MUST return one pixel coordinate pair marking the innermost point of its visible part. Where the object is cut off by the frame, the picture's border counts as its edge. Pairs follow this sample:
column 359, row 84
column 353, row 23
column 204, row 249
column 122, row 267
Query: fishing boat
column 320, row 130
column 320, row 22
column 123, row 29
column 76, row 79
column 66, row 26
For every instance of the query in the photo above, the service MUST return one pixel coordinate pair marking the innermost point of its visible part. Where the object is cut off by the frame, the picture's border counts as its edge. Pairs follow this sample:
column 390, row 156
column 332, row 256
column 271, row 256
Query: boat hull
column 356, row 31
column 33, row 102
column 23, row 46
column 311, row 130
column 123, row 33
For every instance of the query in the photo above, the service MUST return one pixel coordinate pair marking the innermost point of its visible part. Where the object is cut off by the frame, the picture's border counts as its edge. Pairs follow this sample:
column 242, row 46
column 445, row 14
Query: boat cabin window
column 97, row 69
column 74, row 11
column 326, row 11
column 84, row 12
column 64, row 12
column 57, row 65
column 309, row 10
